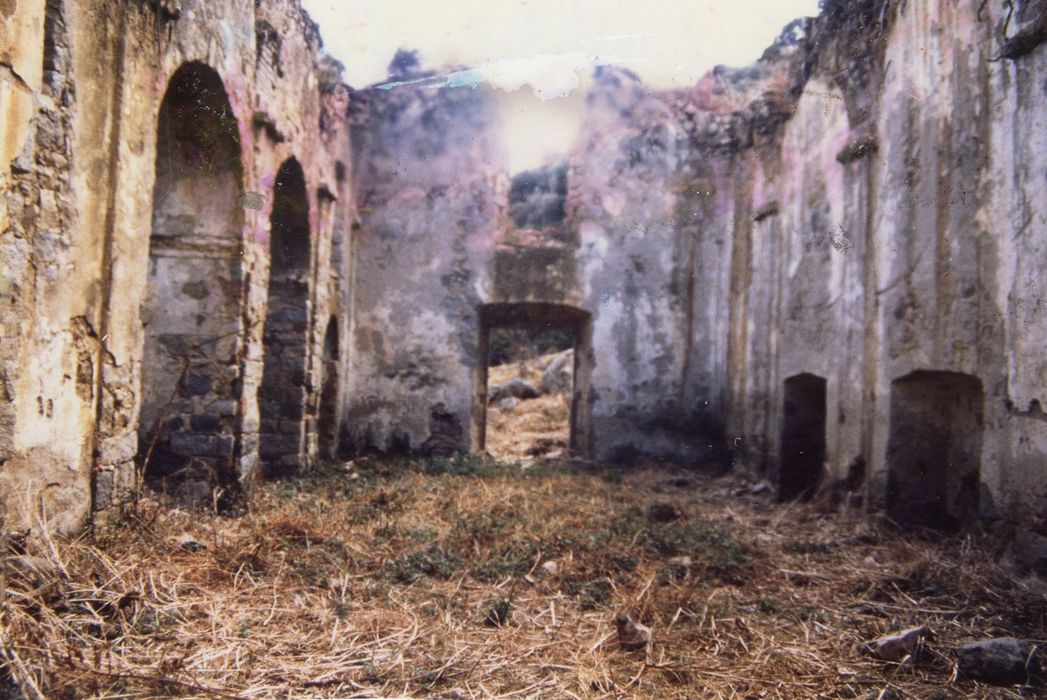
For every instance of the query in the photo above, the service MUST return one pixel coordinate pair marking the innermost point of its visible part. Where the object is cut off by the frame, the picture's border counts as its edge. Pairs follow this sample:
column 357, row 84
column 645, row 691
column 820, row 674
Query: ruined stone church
column 218, row 262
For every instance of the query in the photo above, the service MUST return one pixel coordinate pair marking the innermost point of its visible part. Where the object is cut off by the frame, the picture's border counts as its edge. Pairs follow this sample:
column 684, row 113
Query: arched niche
column 803, row 436
column 191, row 316
column 329, row 413
column 934, row 449
column 282, row 396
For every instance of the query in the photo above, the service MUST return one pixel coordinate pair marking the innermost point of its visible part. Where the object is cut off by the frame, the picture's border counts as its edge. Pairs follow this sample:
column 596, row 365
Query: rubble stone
column 1002, row 661
column 908, row 643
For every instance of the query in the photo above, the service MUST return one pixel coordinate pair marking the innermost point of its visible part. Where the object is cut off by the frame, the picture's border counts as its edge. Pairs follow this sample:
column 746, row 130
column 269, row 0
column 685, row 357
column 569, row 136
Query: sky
column 542, row 52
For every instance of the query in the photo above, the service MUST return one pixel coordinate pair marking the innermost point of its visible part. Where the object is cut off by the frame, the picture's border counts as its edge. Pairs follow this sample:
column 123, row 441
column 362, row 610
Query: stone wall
column 838, row 249
column 431, row 191
column 855, row 212
column 902, row 242
column 110, row 239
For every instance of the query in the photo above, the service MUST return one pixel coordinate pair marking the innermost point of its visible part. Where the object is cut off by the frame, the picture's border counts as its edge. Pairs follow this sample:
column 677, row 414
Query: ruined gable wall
column 640, row 210
column 432, row 195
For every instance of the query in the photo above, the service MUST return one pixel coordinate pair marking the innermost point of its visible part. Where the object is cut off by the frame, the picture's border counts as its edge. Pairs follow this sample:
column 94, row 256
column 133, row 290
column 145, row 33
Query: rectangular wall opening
column 934, row 449
column 803, row 436
column 529, row 386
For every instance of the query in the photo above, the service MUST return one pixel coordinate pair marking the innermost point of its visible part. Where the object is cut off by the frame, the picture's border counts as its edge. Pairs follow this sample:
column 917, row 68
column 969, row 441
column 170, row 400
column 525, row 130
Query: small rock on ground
column 762, row 488
column 1002, row 661
column 663, row 512
column 631, row 634
column 898, row 646
column 517, row 388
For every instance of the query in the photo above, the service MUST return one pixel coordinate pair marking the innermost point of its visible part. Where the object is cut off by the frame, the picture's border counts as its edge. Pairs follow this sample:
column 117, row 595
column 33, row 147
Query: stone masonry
column 826, row 268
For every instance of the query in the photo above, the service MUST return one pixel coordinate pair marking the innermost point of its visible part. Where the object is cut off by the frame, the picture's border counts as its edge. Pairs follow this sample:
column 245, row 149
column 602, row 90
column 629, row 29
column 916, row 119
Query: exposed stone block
column 276, row 445
column 222, row 408
column 205, row 424
column 192, row 445
column 198, row 384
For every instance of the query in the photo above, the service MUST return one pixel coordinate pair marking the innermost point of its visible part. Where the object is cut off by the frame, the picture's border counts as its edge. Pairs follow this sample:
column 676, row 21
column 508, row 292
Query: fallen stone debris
column 1003, row 661
column 906, row 645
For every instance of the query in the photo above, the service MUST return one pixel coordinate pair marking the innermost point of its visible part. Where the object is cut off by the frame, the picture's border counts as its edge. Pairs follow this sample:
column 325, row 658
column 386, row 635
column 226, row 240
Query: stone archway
column 329, row 409
column 191, row 316
column 282, row 395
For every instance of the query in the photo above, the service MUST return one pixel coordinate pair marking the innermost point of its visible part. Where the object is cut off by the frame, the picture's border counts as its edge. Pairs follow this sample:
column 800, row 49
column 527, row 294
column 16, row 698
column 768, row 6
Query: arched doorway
column 328, row 423
column 282, row 395
column 191, row 316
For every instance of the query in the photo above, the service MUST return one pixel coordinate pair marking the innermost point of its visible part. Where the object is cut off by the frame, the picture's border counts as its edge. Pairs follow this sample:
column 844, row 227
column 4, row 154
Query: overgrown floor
column 432, row 579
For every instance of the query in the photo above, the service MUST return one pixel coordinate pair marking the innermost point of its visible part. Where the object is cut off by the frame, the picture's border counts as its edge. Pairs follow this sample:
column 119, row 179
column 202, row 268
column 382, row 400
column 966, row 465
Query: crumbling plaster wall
column 932, row 228
column 815, row 275
column 854, row 214
column 47, row 360
column 878, row 214
column 960, row 230
column 1014, row 214
column 431, row 190
column 432, row 196
column 276, row 122
column 646, row 211
column 77, row 252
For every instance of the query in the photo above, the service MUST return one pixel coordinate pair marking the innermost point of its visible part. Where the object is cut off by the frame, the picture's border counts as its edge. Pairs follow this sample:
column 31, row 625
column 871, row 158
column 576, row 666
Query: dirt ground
column 470, row 578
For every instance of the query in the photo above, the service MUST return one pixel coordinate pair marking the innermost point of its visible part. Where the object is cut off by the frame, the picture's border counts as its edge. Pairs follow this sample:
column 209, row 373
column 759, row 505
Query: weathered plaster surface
column 860, row 205
column 431, row 193
column 866, row 204
column 81, row 144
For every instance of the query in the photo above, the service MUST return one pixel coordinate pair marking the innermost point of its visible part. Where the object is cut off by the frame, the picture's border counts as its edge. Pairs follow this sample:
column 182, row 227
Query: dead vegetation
column 463, row 578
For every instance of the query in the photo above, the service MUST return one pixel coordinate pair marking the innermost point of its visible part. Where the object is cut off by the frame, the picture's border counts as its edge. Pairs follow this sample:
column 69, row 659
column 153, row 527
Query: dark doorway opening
column 328, row 424
column 533, row 380
column 934, row 449
column 803, row 436
column 282, row 395
column 191, row 316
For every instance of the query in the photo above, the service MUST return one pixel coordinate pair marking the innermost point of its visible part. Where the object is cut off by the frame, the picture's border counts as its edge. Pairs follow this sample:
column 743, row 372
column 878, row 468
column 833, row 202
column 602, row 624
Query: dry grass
column 423, row 579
